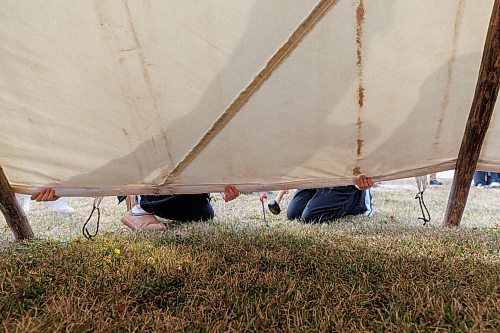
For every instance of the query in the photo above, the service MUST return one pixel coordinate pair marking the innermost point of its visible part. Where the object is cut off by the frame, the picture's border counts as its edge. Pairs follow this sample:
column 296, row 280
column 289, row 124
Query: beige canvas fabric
column 163, row 96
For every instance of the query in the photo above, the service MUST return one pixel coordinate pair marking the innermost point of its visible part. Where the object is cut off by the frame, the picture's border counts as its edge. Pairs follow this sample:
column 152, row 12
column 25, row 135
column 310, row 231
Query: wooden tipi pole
column 478, row 122
column 14, row 214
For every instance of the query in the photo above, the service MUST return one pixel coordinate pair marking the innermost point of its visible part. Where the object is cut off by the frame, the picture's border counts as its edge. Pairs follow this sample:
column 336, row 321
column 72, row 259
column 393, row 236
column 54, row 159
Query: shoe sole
column 130, row 225
column 135, row 229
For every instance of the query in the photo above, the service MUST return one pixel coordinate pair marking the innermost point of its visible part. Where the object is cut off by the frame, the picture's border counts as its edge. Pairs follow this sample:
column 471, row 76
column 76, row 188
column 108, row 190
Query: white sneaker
column 60, row 206
column 67, row 210
column 368, row 203
column 495, row 184
column 24, row 201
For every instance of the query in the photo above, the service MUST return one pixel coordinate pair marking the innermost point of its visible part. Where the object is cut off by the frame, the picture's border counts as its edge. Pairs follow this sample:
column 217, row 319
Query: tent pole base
column 480, row 115
column 14, row 214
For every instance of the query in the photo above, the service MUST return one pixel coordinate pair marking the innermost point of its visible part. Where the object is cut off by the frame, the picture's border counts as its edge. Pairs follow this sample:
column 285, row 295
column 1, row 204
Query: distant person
column 486, row 179
column 331, row 203
column 433, row 179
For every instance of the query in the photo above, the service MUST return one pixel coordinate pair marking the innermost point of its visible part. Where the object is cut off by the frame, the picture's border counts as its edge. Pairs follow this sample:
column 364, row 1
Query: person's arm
column 230, row 193
column 47, row 194
column 363, row 182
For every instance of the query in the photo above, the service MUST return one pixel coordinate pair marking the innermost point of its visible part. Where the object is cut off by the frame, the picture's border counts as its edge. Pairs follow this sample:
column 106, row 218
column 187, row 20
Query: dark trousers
column 326, row 204
column 486, row 178
column 179, row 207
column 480, row 177
column 494, row 177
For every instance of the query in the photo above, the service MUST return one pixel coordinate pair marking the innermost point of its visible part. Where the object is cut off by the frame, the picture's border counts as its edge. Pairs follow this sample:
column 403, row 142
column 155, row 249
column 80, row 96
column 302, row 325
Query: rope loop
column 426, row 216
column 95, row 207
column 422, row 185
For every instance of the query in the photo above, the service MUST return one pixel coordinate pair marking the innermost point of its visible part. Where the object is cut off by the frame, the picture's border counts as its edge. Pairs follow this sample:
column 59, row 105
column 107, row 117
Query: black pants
column 326, row 204
column 179, row 207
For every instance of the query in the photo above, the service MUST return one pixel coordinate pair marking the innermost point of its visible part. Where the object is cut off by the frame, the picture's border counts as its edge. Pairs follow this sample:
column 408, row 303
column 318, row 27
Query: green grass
column 238, row 273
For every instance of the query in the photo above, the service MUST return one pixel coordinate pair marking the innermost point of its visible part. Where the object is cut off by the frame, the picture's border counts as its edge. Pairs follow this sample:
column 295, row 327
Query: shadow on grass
column 236, row 281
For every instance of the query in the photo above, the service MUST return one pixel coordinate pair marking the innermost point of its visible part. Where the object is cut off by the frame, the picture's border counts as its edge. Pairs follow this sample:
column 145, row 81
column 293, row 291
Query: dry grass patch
column 238, row 273
column 277, row 279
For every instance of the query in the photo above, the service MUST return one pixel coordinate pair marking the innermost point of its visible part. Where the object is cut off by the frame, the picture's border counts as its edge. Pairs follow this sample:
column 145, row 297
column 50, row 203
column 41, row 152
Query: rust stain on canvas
column 360, row 21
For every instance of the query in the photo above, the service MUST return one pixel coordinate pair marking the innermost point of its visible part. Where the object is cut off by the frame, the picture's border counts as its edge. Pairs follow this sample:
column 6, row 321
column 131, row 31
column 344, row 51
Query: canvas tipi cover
column 164, row 96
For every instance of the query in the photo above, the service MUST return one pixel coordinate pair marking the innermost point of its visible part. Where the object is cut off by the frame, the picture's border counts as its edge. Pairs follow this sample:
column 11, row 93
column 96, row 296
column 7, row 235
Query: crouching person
column 318, row 205
column 178, row 207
